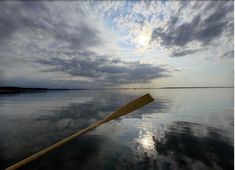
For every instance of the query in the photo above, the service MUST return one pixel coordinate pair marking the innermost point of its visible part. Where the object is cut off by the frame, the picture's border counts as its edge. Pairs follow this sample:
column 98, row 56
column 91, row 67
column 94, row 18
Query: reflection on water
column 184, row 147
column 146, row 142
column 182, row 129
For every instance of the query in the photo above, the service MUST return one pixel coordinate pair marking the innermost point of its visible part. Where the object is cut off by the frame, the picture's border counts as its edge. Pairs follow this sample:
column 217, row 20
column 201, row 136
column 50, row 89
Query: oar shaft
column 54, row 146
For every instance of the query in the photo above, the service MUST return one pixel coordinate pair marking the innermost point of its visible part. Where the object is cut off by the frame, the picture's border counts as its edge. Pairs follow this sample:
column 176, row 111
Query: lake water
column 181, row 129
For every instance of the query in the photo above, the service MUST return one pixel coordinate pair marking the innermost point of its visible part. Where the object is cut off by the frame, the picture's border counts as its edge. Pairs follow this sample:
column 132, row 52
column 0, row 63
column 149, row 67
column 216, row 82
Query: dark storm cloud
column 38, row 16
column 99, row 68
column 201, row 29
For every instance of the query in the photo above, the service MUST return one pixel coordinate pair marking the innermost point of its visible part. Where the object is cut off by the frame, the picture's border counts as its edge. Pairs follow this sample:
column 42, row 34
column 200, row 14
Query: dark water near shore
column 182, row 129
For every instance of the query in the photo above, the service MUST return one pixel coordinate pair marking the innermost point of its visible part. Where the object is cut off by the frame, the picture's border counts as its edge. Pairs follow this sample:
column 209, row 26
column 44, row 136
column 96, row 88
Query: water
column 181, row 129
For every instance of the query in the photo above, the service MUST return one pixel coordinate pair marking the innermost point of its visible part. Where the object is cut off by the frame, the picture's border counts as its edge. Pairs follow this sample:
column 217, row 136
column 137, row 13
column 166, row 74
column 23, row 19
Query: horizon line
column 119, row 88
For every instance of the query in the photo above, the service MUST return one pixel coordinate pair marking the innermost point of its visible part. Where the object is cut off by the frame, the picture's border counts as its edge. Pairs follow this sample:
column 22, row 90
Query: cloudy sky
column 79, row 44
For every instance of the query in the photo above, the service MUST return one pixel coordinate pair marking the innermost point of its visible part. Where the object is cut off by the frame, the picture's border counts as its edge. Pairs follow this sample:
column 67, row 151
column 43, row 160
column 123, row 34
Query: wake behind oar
column 133, row 105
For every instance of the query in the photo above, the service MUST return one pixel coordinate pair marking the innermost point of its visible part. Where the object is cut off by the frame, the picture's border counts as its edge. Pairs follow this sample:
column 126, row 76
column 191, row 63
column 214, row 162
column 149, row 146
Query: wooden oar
column 135, row 104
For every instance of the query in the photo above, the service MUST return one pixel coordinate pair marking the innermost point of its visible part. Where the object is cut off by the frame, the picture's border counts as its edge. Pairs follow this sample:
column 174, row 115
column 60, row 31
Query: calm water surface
column 181, row 129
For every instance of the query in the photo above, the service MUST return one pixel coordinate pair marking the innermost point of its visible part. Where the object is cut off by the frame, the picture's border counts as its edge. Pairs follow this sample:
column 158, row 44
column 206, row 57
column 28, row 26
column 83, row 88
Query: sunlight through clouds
column 142, row 40
column 108, row 43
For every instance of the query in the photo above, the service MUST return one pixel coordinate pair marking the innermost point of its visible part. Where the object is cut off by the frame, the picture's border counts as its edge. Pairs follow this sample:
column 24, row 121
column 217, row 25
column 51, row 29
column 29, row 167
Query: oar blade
column 130, row 107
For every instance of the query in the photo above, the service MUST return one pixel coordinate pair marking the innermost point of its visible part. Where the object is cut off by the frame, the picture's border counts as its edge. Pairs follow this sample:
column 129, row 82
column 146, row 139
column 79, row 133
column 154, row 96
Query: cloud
column 184, row 52
column 178, row 36
column 99, row 43
column 7, row 22
column 200, row 28
column 42, row 30
column 178, row 27
column 228, row 55
column 101, row 69
column 204, row 29
column 43, row 18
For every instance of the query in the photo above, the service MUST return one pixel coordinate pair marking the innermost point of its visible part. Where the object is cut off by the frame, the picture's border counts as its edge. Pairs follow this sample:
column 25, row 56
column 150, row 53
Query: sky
column 78, row 44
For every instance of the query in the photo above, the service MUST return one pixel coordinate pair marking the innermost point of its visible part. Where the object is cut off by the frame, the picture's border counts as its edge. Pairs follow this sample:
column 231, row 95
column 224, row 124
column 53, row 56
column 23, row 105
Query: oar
column 135, row 104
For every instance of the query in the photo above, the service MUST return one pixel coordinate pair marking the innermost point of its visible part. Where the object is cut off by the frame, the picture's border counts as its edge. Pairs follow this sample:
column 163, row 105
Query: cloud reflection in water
column 159, row 136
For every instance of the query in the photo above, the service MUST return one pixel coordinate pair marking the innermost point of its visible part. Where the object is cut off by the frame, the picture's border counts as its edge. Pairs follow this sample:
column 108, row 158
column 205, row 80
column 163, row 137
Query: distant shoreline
column 15, row 90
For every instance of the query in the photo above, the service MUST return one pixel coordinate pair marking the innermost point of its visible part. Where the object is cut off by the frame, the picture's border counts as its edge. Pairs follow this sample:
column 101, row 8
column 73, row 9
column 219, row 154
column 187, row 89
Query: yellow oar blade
column 130, row 107
column 135, row 104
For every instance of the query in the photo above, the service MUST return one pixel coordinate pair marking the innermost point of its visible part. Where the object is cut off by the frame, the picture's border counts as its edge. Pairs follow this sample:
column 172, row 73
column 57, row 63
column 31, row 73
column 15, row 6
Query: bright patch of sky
column 116, row 43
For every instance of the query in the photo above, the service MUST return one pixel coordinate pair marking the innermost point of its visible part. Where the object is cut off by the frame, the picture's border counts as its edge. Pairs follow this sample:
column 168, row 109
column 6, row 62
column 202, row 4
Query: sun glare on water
column 147, row 142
